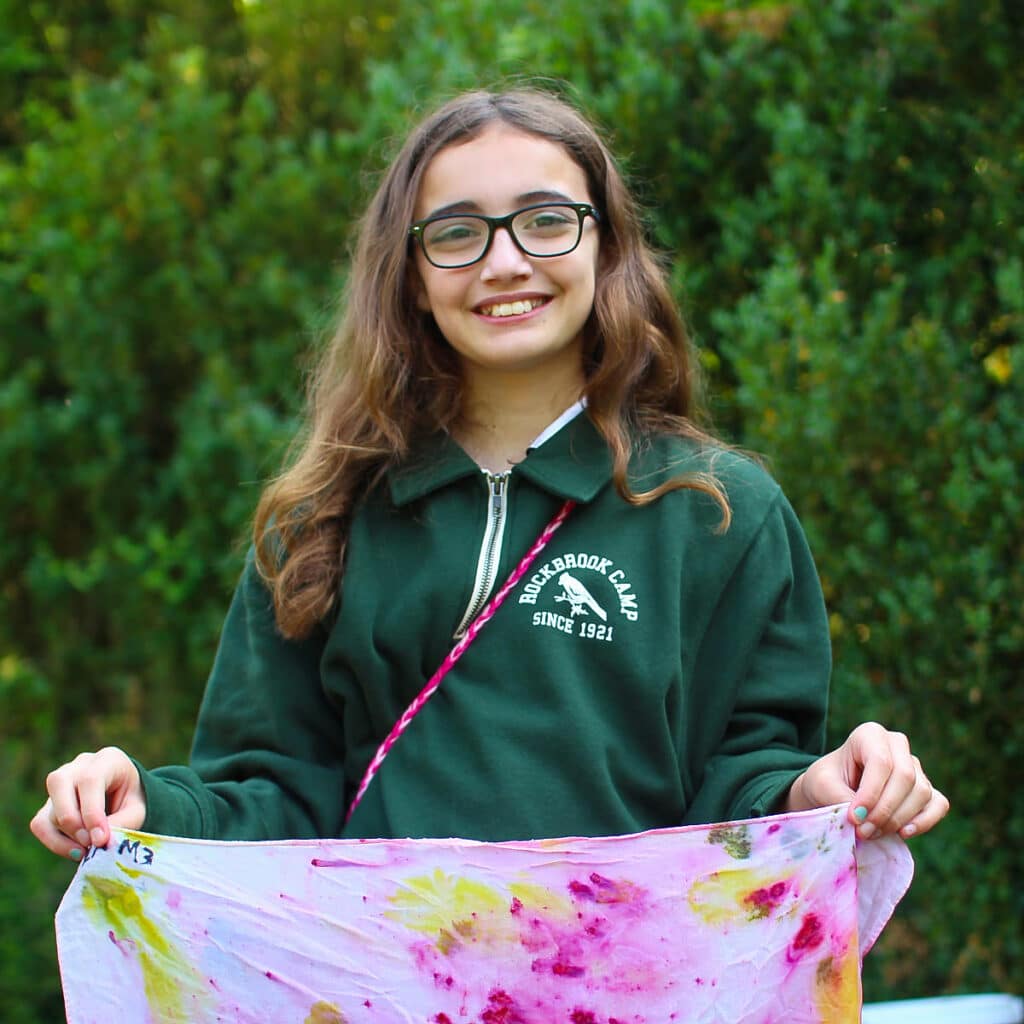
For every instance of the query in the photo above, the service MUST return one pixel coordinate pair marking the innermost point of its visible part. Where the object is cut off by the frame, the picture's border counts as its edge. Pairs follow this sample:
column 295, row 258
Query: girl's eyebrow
column 523, row 199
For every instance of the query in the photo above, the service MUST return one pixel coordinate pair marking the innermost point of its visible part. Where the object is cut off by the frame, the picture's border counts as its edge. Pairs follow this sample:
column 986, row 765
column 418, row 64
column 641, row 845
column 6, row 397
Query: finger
column 92, row 803
column 936, row 809
column 125, row 801
column 46, row 831
column 912, row 805
column 65, row 814
column 865, row 767
column 889, row 775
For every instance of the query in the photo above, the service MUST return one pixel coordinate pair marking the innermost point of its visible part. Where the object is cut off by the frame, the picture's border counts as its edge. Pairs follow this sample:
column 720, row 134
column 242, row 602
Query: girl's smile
column 510, row 313
column 515, row 306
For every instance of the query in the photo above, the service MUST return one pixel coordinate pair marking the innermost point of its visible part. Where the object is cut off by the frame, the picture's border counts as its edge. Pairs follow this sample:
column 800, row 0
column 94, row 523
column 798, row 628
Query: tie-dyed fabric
column 743, row 923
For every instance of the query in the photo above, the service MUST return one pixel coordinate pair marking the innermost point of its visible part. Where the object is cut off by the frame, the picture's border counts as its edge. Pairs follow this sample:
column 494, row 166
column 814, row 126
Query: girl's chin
column 544, row 368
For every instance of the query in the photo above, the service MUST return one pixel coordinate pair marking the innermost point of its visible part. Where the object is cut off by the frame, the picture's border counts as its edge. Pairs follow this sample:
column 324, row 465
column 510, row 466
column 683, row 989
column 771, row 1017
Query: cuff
column 173, row 805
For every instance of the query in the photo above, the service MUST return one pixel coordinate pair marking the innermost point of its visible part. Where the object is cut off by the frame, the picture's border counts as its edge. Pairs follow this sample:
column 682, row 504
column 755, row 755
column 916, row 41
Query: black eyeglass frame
column 582, row 211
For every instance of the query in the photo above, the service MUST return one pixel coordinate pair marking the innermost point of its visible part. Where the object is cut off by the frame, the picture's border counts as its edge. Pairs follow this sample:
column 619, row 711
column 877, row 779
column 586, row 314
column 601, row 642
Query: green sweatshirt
column 648, row 671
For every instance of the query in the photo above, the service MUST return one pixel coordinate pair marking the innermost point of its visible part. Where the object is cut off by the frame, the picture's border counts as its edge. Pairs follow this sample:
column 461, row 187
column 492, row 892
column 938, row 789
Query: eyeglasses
column 454, row 240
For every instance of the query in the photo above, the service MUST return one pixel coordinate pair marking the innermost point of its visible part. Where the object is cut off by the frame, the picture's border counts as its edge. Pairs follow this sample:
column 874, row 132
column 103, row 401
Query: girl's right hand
column 87, row 797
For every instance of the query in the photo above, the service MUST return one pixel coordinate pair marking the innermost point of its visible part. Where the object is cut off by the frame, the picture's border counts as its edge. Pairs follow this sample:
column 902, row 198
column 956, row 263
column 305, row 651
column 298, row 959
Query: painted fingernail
column 97, row 837
column 75, row 854
column 860, row 813
column 867, row 830
column 82, row 836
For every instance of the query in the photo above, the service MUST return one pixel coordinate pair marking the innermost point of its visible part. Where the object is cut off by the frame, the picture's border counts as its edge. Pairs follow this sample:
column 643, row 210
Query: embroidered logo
column 586, row 598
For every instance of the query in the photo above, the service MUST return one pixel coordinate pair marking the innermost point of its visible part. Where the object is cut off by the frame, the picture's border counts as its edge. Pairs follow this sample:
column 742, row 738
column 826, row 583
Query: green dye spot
column 826, row 973
column 324, row 1013
column 735, row 839
column 837, row 985
column 167, row 977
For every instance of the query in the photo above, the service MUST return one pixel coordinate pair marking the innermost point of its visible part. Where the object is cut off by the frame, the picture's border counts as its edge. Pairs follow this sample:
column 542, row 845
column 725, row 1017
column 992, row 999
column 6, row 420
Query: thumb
column 130, row 813
column 827, row 782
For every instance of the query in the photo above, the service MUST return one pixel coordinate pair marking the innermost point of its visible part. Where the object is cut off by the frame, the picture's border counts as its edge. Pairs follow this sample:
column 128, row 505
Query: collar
column 569, row 459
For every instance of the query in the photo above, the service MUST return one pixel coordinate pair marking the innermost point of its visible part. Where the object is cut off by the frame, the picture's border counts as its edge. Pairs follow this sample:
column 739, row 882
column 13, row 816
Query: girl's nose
column 504, row 258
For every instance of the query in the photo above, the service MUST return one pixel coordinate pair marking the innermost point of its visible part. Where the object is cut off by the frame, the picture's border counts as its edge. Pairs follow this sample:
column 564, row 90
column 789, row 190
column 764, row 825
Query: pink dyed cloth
column 745, row 923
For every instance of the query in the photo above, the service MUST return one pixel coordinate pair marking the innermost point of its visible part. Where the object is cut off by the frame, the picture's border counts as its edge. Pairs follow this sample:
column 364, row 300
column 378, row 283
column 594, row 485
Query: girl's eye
column 547, row 221
column 450, row 234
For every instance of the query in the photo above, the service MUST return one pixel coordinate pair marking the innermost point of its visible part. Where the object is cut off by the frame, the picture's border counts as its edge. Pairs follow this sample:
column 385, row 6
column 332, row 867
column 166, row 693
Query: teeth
column 511, row 308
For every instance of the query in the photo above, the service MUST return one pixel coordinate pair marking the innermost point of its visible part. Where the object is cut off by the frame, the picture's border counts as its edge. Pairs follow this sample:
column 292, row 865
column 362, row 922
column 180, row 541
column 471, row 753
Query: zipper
column 490, row 548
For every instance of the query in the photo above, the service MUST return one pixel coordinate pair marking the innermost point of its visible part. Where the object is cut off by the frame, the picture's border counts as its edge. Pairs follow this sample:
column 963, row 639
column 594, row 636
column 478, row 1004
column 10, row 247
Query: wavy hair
column 388, row 376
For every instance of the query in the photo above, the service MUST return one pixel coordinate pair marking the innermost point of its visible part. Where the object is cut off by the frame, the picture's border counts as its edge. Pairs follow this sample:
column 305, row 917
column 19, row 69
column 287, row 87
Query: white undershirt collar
column 554, row 427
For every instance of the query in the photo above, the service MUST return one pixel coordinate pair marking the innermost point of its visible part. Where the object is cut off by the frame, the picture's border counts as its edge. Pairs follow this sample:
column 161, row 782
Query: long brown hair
column 388, row 375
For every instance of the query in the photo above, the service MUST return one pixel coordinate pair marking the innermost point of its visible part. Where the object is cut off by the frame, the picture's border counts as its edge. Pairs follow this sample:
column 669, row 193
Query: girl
column 509, row 351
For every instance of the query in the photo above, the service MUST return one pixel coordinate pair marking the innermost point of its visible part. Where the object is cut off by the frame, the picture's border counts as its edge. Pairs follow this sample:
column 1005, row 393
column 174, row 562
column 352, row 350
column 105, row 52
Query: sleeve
column 762, row 676
column 266, row 760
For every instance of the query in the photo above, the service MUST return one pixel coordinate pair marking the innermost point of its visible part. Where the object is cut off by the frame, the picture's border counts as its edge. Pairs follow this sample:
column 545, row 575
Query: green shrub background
column 839, row 190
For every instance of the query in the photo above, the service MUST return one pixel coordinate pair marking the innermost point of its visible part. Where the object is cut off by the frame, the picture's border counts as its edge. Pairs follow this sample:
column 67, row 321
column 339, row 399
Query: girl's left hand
column 883, row 781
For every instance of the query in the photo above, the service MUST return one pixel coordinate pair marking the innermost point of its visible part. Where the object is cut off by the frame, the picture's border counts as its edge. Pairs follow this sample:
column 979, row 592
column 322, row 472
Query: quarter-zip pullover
column 649, row 670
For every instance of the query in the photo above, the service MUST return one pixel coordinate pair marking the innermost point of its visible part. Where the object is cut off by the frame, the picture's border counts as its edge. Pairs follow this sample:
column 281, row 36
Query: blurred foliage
column 838, row 187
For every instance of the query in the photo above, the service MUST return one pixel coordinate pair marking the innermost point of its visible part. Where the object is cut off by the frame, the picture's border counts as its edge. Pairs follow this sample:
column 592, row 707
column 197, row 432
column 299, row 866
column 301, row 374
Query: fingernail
column 867, row 830
column 909, row 830
column 860, row 813
column 75, row 854
column 82, row 836
column 97, row 837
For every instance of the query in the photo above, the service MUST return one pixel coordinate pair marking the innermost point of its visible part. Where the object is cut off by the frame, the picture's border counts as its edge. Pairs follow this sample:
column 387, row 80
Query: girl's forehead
column 497, row 170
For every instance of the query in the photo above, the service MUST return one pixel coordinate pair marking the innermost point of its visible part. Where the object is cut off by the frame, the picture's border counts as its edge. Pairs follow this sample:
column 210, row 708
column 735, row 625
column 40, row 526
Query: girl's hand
column 87, row 797
column 883, row 781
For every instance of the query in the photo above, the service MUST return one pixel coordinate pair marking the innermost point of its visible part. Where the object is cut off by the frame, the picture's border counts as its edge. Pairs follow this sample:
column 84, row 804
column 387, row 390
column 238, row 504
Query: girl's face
column 509, row 312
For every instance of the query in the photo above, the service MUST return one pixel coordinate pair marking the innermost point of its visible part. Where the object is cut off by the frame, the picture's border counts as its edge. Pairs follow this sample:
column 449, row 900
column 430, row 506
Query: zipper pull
column 497, row 483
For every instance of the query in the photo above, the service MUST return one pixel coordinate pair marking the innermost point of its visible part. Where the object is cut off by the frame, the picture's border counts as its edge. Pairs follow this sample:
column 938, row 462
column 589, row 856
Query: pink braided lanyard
column 457, row 651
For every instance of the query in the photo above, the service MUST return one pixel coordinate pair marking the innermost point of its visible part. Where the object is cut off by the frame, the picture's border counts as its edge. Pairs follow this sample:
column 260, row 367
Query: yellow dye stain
column 553, row 844
column 724, row 895
column 535, row 898
column 452, row 908
column 324, row 1013
column 167, row 977
column 837, row 988
column 431, row 903
column 459, row 911
column 154, row 842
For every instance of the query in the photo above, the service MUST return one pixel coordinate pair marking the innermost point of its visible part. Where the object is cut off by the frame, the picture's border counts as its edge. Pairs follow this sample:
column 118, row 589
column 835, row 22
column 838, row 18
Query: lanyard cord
column 457, row 651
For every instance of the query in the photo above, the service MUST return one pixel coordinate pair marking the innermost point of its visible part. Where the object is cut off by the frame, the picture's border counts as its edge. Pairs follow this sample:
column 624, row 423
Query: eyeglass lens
column 543, row 231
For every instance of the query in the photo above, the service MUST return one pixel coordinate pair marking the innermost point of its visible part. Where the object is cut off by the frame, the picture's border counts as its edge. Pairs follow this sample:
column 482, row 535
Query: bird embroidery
column 579, row 597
